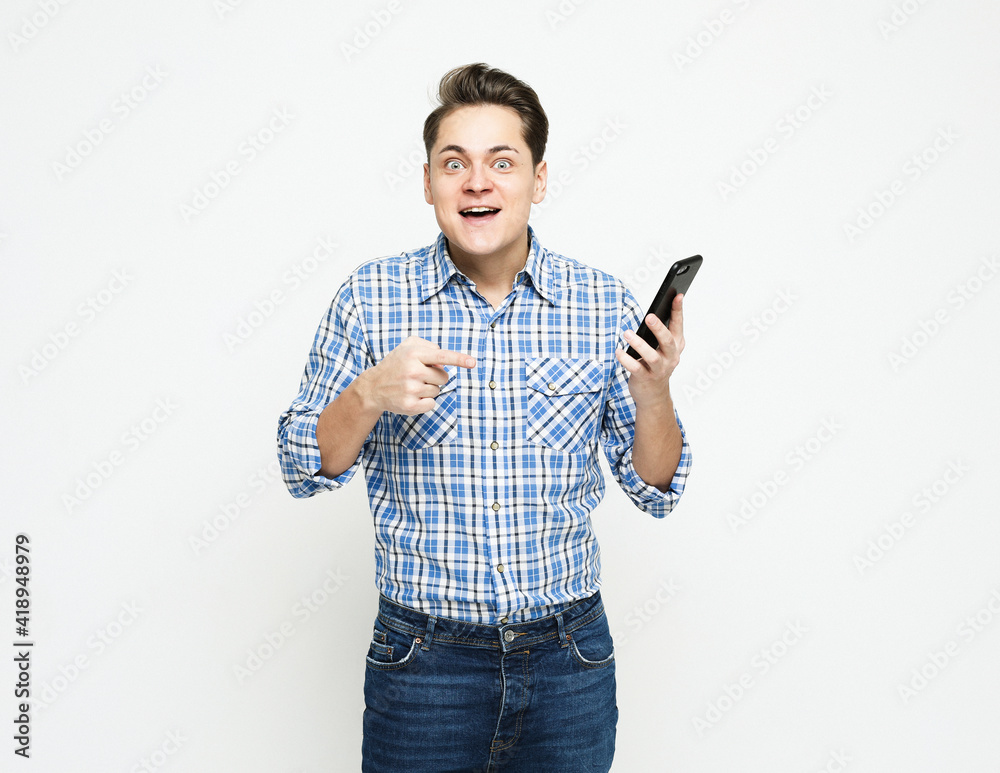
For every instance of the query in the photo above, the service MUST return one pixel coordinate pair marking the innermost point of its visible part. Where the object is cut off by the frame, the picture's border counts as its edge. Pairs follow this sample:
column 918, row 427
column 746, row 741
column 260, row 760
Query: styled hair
column 480, row 84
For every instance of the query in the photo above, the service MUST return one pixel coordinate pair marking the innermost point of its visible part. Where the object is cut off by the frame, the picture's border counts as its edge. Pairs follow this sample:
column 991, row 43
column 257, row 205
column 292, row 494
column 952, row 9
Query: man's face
column 481, row 160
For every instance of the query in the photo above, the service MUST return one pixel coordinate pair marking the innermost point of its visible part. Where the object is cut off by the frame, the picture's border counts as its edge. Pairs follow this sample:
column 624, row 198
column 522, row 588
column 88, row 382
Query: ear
column 428, row 196
column 541, row 180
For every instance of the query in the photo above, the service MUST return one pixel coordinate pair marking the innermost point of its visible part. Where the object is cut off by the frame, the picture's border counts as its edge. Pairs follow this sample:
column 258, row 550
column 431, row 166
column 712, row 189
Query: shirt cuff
column 301, row 459
column 648, row 498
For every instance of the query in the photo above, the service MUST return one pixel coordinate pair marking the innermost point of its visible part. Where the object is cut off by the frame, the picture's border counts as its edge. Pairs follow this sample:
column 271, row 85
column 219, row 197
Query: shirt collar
column 438, row 268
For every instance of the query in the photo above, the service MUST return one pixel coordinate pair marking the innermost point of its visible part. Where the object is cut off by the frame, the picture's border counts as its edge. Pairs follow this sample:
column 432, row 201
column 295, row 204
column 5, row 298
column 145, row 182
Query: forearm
column 656, row 451
column 343, row 427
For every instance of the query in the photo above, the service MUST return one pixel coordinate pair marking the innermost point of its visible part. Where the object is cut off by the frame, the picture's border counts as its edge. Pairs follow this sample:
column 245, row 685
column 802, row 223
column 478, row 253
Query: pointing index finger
column 448, row 357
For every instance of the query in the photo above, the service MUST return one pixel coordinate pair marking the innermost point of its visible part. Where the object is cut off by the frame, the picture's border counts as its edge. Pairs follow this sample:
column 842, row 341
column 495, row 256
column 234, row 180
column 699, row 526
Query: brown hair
column 480, row 84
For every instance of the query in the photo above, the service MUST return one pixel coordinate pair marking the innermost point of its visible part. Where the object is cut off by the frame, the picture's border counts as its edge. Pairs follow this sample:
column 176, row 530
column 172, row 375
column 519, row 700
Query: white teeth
column 480, row 209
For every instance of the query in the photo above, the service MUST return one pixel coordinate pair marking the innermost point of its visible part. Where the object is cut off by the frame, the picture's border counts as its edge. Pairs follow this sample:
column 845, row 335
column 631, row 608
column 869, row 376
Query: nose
column 477, row 179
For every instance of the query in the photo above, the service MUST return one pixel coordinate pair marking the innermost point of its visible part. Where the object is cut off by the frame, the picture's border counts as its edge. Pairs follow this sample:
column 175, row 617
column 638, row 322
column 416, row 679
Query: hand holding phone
column 678, row 280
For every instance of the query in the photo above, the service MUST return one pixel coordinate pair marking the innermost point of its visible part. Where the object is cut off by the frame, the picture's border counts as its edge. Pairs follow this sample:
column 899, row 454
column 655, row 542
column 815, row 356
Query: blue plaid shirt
column 482, row 506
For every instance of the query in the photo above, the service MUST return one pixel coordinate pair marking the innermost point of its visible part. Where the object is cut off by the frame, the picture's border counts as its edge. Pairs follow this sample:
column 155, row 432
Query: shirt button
column 508, row 636
column 500, row 568
column 492, row 325
column 552, row 386
column 493, row 385
column 494, row 445
column 496, row 506
column 503, row 620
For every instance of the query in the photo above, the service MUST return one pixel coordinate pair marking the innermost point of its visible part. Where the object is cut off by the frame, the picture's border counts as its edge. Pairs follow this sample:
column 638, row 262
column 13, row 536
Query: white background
column 132, row 425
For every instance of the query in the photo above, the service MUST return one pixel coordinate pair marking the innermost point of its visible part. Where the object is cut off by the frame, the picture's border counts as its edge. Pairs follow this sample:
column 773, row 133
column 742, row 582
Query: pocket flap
column 561, row 376
column 454, row 377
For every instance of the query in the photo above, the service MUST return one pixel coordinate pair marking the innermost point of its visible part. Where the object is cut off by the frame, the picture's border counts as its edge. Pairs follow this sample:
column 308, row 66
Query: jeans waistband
column 431, row 628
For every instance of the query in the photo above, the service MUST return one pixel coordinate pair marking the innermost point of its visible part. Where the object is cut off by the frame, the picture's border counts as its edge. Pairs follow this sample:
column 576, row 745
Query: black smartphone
column 678, row 280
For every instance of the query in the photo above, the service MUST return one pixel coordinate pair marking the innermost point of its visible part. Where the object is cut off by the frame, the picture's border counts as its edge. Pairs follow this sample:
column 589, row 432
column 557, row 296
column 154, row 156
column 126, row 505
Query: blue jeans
column 443, row 695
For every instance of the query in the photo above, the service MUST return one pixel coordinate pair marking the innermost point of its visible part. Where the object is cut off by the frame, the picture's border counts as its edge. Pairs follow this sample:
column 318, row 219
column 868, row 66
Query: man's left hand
column 649, row 379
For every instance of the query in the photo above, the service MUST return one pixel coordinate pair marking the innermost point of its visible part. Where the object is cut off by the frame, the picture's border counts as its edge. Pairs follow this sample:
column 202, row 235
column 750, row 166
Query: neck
column 496, row 271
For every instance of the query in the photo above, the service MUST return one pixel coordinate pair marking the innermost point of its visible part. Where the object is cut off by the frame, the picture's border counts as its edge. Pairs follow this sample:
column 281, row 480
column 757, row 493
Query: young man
column 475, row 378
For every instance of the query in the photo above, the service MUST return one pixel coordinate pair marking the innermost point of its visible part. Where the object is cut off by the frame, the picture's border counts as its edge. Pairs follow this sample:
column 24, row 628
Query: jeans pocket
column 391, row 649
column 434, row 428
column 564, row 402
column 591, row 645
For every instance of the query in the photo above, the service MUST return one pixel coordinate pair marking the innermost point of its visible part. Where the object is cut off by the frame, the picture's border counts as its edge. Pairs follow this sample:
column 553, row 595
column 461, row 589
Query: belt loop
column 429, row 636
column 563, row 641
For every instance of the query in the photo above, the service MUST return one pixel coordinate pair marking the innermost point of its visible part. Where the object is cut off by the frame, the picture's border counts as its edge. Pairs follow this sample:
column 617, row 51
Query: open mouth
column 479, row 213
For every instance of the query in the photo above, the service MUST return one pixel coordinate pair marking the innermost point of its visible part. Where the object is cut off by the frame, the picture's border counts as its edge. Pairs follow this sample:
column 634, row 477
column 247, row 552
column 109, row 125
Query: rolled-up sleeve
column 618, row 433
column 337, row 357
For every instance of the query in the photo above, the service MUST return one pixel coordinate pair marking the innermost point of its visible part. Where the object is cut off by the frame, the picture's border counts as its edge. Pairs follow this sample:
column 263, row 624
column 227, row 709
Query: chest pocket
column 438, row 427
column 564, row 402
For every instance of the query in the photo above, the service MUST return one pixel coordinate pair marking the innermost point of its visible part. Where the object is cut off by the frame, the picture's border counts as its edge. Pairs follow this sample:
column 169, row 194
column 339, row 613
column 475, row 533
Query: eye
column 453, row 165
column 505, row 162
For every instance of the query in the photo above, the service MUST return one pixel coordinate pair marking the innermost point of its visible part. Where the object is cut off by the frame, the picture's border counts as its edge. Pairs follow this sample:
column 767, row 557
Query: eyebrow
column 491, row 151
